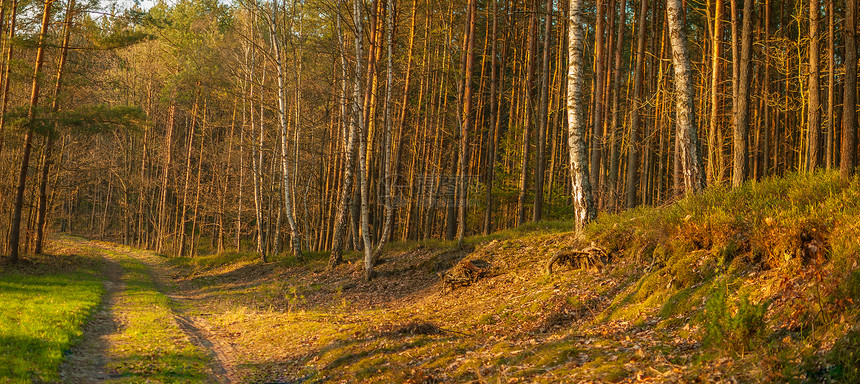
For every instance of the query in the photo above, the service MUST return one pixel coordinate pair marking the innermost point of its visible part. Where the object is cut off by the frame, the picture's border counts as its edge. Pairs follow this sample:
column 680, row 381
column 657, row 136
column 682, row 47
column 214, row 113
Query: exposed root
column 591, row 257
column 464, row 274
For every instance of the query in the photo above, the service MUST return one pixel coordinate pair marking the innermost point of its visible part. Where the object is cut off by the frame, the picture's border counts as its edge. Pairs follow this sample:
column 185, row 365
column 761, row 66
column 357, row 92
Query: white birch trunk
column 691, row 160
column 583, row 200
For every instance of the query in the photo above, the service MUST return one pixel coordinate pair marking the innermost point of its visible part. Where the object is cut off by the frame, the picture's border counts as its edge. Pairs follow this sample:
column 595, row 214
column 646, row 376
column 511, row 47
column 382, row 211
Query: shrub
column 732, row 329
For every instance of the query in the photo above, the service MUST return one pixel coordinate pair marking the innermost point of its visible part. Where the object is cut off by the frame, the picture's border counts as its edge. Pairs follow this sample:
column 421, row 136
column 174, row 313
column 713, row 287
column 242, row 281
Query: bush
column 729, row 329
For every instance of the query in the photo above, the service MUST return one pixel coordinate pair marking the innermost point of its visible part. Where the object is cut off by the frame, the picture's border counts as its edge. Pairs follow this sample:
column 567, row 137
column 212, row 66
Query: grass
column 151, row 346
column 45, row 302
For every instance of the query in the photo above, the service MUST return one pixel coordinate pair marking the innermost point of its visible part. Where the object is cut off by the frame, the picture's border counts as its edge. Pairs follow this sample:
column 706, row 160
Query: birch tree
column 348, row 142
column 685, row 115
column 583, row 200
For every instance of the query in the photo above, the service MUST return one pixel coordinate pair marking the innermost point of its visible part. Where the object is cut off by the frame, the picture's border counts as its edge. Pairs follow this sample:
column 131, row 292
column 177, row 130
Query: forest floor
column 729, row 286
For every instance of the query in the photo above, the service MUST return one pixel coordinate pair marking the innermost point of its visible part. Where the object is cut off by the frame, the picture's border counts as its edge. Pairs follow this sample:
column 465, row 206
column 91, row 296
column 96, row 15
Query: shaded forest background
column 196, row 127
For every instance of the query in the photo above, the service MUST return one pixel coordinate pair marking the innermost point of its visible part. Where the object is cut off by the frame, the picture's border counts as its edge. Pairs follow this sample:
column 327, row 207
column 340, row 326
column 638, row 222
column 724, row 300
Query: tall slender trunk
column 280, row 65
column 186, row 185
column 544, row 112
column 528, row 108
column 741, row 89
column 467, row 123
column 715, row 150
column 813, row 128
column 348, row 131
column 257, row 163
column 691, row 160
column 849, row 98
column 7, row 70
column 831, row 88
column 15, row 230
column 583, row 200
column 49, row 141
column 390, row 172
column 358, row 115
column 597, row 110
column 491, row 142
column 165, row 176
column 615, row 132
column 632, row 152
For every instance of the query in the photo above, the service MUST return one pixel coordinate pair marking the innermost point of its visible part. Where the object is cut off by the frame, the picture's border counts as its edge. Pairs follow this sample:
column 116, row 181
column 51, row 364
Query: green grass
column 42, row 316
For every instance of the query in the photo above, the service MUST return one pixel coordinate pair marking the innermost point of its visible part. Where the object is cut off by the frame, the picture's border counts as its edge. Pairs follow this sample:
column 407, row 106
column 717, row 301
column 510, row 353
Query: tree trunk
column 280, row 65
column 49, row 144
column 15, row 230
column 13, row 17
column 348, row 141
column 358, row 115
column 583, row 200
column 597, row 110
column 849, row 98
column 390, row 174
column 467, row 124
column 691, row 160
column 813, row 129
column 544, row 114
column 741, row 100
column 188, row 152
column 831, row 88
column 715, row 148
column 494, row 118
column 528, row 107
column 165, row 175
column 615, row 141
column 632, row 153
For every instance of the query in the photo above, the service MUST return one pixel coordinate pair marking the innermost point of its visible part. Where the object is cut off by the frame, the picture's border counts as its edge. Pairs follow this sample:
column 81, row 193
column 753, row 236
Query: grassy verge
column 45, row 302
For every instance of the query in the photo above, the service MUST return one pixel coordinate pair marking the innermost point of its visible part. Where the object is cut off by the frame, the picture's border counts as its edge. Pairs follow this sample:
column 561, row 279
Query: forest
column 321, row 133
column 322, row 126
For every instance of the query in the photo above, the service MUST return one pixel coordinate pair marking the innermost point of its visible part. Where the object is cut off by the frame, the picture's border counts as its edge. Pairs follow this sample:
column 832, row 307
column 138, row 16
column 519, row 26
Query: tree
column 740, row 83
column 632, row 153
column 714, row 149
column 466, row 125
column 691, row 160
column 583, row 200
column 544, row 120
column 813, row 122
column 15, row 230
column 348, row 143
column 849, row 98
column 358, row 115
column 49, row 141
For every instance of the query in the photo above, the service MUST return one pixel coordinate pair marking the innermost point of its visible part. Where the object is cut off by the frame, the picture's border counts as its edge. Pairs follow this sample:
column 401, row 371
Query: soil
column 85, row 362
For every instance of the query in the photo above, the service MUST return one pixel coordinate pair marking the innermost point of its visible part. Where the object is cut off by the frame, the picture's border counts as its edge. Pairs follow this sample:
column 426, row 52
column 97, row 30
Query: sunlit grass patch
column 43, row 312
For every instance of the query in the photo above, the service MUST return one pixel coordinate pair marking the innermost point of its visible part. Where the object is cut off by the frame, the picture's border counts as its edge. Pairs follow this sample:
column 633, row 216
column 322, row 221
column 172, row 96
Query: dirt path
column 87, row 362
column 196, row 327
